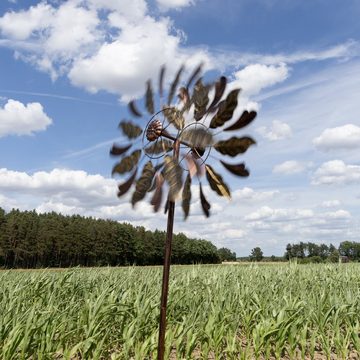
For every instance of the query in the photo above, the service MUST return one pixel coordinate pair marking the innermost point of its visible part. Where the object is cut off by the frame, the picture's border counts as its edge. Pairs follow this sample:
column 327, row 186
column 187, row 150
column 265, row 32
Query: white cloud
column 165, row 5
column 255, row 77
column 147, row 45
column 289, row 167
column 339, row 214
column 345, row 50
column 341, row 137
column 336, row 172
column 250, row 194
column 268, row 213
column 21, row 25
column 278, row 131
column 19, row 119
column 73, row 187
column 330, row 203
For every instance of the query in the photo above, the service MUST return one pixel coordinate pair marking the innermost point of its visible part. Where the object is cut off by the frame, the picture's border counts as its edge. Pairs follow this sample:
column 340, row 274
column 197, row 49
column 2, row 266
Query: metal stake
column 166, row 269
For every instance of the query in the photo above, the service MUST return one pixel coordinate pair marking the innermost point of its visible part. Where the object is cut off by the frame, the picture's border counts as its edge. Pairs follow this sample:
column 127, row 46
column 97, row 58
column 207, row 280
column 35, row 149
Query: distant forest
column 32, row 240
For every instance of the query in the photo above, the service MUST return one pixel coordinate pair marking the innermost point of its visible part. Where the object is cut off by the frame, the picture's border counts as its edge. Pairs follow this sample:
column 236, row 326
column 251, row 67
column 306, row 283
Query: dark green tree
column 226, row 254
column 256, row 254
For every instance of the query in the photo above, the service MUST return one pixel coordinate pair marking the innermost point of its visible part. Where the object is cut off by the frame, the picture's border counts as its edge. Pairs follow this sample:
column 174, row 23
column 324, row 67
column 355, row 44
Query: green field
column 215, row 312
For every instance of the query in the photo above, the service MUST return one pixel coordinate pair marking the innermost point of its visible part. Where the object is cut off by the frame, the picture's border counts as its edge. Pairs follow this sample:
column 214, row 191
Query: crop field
column 284, row 311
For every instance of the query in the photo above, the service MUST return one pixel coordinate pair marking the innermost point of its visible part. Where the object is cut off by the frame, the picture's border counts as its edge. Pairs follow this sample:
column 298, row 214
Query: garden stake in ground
column 176, row 143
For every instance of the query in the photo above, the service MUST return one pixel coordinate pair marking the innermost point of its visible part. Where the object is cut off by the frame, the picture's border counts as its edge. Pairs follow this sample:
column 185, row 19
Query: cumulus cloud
column 165, row 5
column 250, row 194
column 255, row 77
column 336, row 172
column 268, row 213
column 71, row 187
column 289, row 167
column 117, row 38
column 331, row 203
column 69, row 192
column 342, row 137
column 278, row 131
column 147, row 44
column 19, row 119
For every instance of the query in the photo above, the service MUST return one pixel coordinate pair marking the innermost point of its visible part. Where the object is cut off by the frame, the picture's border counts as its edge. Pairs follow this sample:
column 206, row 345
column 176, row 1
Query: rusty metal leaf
column 173, row 175
column 234, row 145
column 131, row 130
column 194, row 75
column 197, row 137
column 245, row 119
column 204, row 203
column 161, row 80
column 149, row 98
column 143, row 184
column 200, row 98
column 186, row 196
column 175, row 117
column 157, row 197
column 185, row 98
column 191, row 164
column 236, row 169
column 216, row 182
column 225, row 110
column 174, row 85
column 159, row 146
column 220, row 86
column 117, row 150
column 127, row 163
column 124, row 187
column 133, row 109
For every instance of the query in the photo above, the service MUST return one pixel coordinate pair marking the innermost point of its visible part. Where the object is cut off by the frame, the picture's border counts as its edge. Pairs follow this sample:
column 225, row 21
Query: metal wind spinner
column 178, row 139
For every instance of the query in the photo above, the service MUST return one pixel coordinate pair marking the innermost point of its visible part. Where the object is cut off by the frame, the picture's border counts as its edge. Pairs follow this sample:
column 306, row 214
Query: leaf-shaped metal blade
column 161, row 80
column 200, row 99
column 173, row 175
column 119, row 150
column 234, row 146
column 186, row 196
column 196, row 137
column 191, row 164
column 127, row 163
column 185, row 98
column 174, row 117
column 245, row 119
column 131, row 130
column 157, row 197
column 220, row 86
column 204, row 203
column 174, row 85
column 144, row 183
column 160, row 146
column 236, row 169
column 226, row 110
column 124, row 187
column 133, row 109
column 149, row 98
column 194, row 75
column 216, row 182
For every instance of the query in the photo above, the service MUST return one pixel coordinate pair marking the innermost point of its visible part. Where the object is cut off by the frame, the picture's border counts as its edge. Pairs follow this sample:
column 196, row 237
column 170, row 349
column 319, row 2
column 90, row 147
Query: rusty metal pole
column 166, row 269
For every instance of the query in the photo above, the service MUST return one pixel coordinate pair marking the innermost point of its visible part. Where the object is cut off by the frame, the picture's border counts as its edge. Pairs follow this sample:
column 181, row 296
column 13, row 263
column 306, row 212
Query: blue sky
column 67, row 69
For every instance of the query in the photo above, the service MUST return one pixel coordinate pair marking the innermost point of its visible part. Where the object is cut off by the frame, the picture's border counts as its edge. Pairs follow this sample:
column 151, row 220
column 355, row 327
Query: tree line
column 311, row 252
column 348, row 250
column 31, row 240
